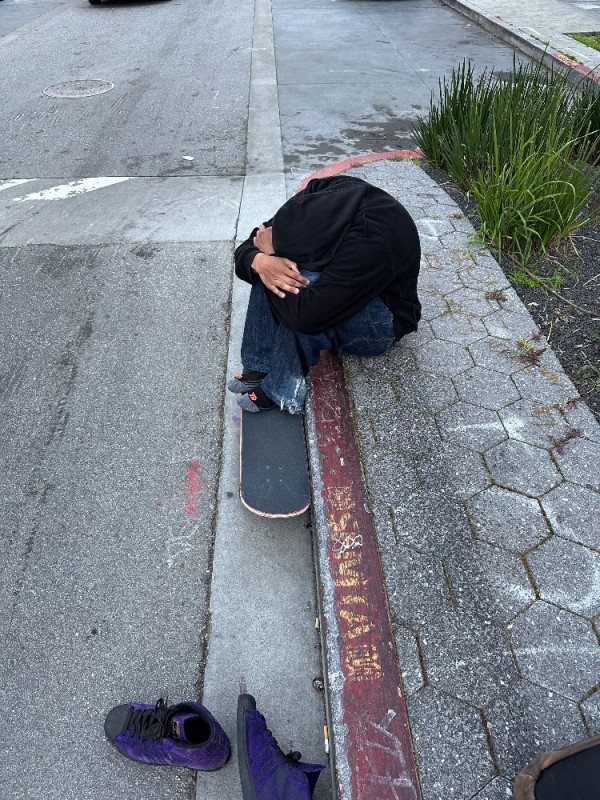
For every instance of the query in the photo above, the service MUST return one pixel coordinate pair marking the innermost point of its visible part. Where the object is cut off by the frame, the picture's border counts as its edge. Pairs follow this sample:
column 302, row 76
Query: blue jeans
column 268, row 346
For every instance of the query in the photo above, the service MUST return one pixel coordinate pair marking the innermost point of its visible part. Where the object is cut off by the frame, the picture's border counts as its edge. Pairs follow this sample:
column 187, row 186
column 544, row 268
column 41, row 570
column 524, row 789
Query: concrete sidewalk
column 487, row 516
column 541, row 29
column 481, row 468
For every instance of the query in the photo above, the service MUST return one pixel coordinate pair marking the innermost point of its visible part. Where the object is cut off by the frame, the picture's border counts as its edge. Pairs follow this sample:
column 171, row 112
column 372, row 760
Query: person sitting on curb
column 335, row 269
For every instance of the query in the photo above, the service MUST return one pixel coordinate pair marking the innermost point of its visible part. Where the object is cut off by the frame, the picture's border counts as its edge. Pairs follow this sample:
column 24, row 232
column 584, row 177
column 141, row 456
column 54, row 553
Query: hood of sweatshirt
column 310, row 226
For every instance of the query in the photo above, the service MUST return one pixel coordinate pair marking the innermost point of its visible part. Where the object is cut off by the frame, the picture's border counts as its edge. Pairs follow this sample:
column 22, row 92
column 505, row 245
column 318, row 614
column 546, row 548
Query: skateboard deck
column 273, row 464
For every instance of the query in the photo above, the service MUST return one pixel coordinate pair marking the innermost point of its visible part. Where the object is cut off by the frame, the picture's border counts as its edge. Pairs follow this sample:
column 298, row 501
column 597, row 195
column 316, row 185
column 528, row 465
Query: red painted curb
column 373, row 754
column 587, row 72
column 355, row 161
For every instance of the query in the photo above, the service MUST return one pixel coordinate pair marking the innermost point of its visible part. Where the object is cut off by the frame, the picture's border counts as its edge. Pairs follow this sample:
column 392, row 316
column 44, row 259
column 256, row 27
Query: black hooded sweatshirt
column 360, row 238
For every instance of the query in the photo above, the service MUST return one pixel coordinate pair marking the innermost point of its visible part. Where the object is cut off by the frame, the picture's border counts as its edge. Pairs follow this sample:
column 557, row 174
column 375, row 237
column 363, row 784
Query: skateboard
column 273, row 464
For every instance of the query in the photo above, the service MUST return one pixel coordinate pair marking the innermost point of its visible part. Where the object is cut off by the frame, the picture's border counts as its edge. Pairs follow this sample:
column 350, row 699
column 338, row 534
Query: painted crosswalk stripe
column 66, row 190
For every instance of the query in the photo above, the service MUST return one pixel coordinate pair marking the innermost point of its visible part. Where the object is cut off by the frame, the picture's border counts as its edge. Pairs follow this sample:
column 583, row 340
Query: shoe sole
column 176, row 766
column 246, row 703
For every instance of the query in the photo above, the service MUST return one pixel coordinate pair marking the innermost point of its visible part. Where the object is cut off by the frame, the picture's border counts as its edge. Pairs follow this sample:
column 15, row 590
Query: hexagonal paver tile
column 430, row 523
column 444, row 358
column 365, row 431
column 486, row 278
column 471, row 426
column 544, row 386
column 408, row 659
column 442, row 261
column 461, row 328
column 556, row 649
column 529, row 422
column 486, row 388
column 461, row 223
column 509, row 324
column 425, row 390
column 447, row 735
column 414, row 341
column 389, row 475
column 579, row 462
column 519, row 466
column 579, row 416
column 417, row 589
column 591, row 711
column 382, row 518
column 507, row 519
column 353, row 365
column 574, row 513
column 490, row 582
column 497, row 354
column 433, row 228
column 452, row 471
column 511, row 301
column 371, row 394
column 440, row 281
column 432, row 305
column 453, row 240
column 548, row 360
column 527, row 721
column 498, row 789
column 568, row 574
column 467, row 657
column 396, row 364
column 471, row 301
column 482, row 257
column 406, row 428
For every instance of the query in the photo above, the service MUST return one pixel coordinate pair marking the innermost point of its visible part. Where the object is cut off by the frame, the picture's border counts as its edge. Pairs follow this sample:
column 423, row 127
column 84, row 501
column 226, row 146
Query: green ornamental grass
column 591, row 39
column 524, row 144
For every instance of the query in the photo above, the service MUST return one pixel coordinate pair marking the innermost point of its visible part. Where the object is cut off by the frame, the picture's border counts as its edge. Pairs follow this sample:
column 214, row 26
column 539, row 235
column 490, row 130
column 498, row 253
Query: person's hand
column 279, row 275
column 264, row 240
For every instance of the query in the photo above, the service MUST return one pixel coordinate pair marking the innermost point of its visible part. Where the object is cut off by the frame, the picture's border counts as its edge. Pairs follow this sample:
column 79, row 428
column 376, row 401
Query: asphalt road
column 118, row 216
column 114, row 315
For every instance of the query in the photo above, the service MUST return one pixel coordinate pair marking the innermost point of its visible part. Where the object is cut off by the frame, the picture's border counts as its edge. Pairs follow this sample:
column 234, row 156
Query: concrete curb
column 525, row 43
column 354, row 161
column 372, row 754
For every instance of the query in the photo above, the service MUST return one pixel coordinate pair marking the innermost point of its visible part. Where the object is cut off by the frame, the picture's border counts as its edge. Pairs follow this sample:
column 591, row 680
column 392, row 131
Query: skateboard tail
column 286, row 515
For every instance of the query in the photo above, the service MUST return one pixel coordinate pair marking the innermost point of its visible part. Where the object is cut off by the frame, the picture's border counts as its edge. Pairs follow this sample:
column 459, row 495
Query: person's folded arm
column 245, row 254
column 360, row 271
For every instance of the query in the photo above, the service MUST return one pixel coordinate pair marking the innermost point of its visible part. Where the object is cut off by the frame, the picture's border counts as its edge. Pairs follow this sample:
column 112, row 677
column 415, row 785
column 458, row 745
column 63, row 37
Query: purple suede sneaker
column 266, row 773
column 183, row 735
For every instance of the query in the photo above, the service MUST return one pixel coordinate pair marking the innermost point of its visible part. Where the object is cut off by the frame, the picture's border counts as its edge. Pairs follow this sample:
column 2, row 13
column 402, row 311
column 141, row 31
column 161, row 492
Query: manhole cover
column 79, row 88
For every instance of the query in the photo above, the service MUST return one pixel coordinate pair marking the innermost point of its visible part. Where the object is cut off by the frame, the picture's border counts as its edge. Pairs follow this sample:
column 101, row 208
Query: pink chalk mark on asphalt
column 193, row 487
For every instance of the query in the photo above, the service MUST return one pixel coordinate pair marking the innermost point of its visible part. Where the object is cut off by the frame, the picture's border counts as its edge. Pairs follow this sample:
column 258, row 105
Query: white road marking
column 66, row 190
column 17, row 182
